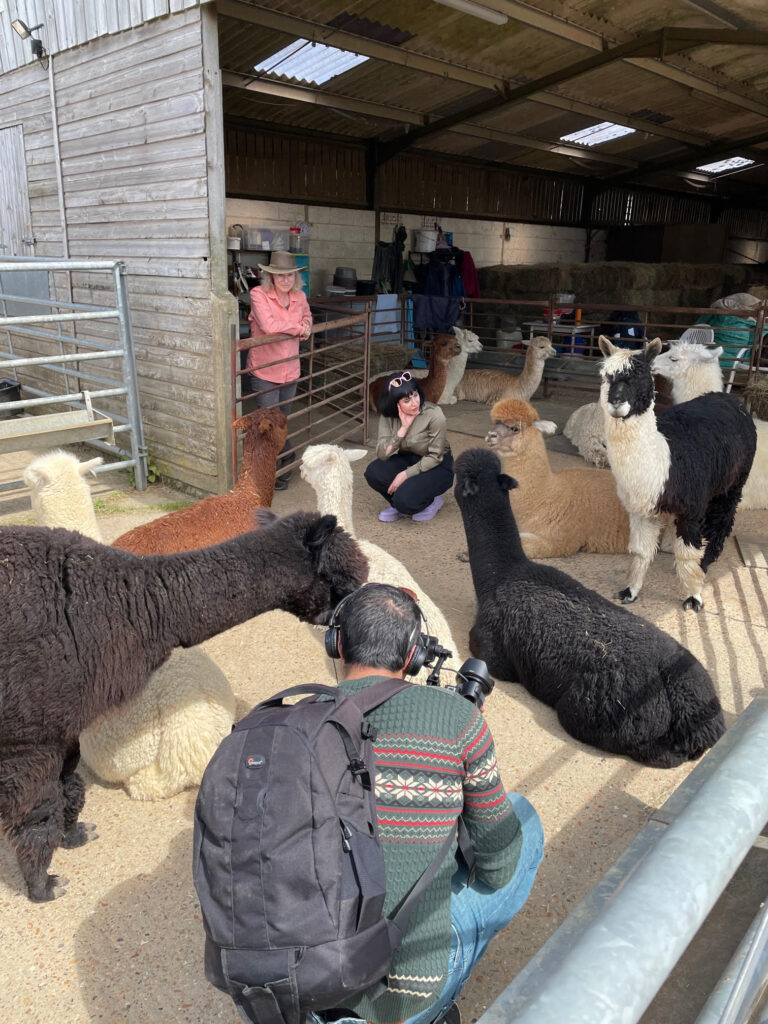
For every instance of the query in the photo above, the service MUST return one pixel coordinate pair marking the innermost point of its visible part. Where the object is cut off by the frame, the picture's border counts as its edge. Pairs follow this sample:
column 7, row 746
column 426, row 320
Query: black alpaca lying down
column 84, row 625
column 616, row 681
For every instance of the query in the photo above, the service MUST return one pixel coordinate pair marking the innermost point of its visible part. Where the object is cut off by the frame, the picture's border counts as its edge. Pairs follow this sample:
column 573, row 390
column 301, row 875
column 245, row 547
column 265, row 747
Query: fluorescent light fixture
column 310, row 62
column 603, row 132
column 476, row 10
column 719, row 166
column 23, row 30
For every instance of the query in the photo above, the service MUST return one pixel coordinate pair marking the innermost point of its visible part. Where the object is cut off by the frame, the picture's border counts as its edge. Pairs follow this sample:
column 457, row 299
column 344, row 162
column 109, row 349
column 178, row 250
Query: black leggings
column 418, row 491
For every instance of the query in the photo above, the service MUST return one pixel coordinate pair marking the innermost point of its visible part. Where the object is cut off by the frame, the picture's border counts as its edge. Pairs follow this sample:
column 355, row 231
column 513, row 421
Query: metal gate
column 93, row 379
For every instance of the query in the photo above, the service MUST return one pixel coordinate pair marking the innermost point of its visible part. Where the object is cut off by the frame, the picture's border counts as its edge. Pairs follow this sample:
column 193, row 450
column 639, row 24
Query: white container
column 426, row 240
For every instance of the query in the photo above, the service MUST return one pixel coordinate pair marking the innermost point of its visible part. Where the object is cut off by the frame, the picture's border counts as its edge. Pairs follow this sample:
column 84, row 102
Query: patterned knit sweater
column 435, row 759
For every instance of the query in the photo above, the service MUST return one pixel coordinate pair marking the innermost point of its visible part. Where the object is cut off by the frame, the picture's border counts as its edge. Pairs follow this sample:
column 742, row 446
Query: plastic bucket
column 426, row 240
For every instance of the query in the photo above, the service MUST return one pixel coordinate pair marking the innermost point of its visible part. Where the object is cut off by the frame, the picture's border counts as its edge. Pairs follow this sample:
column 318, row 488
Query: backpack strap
column 378, row 693
column 319, row 689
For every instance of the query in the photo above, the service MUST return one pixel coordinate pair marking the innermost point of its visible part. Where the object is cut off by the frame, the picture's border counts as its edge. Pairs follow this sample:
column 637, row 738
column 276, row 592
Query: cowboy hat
column 280, row 263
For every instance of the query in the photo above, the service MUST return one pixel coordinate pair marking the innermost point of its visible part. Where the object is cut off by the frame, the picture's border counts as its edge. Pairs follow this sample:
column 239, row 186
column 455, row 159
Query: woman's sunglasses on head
column 397, row 381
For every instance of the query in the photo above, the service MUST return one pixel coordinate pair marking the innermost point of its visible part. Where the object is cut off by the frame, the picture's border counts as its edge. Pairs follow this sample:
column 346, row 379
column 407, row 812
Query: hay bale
column 756, row 397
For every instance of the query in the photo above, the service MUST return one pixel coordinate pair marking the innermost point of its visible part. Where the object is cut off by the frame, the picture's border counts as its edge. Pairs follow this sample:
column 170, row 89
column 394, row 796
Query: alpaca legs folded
column 643, row 537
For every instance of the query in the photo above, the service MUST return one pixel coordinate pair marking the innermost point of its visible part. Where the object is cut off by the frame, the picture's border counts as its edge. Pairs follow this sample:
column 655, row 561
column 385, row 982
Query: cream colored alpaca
column 161, row 742
column 585, row 428
column 493, row 385
column 327, row 467
column 695, row 370
column 557, row 513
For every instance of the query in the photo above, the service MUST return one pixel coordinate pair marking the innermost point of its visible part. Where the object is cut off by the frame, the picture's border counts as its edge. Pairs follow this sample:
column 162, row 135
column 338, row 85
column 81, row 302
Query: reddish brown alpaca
column 221, row 516
column 444, row 348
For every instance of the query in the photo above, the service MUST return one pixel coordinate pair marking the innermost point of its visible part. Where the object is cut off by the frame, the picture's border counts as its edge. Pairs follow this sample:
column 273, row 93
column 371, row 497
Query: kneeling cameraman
column 435, row 760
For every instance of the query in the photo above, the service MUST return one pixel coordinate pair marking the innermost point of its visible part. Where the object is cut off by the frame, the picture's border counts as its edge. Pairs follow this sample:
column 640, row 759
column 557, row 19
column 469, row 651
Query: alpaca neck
column 434, row 382
column 640, row 460
column 453, row 374
column 533, row 371
column 493, row 540
column 257, row 472
column 530, row 467
column 334, row 498
column 698, row 381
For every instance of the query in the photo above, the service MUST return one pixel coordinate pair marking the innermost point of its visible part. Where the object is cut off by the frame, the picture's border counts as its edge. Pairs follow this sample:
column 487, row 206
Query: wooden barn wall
column 133, row 157
column 68, row 23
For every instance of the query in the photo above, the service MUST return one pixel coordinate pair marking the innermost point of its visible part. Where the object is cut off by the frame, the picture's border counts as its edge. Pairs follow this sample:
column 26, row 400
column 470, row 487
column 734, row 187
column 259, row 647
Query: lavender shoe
column 391, row 515
column 429, row 512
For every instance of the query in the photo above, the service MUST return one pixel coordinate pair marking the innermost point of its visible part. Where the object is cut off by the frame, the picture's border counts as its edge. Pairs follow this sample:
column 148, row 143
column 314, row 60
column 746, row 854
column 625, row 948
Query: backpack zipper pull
column 346, row 836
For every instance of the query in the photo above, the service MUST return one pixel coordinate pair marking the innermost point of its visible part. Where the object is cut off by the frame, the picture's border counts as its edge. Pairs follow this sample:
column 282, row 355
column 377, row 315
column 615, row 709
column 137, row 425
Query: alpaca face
column 627, row 388
column 681, row 358
column 506, row 438
column 541, row 348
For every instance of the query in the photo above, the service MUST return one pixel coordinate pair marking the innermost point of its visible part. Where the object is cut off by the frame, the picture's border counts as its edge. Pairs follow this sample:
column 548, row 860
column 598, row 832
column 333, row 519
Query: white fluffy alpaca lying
column 161, row 742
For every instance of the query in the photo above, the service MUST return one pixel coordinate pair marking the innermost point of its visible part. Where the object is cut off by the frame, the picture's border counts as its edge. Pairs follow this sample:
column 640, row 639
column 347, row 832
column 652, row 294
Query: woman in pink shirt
column 278, row 306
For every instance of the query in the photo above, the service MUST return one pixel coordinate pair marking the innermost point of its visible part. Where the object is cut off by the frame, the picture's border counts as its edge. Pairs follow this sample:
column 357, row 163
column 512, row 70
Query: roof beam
column 332, row 101
column 256, row 15
column 657, row 44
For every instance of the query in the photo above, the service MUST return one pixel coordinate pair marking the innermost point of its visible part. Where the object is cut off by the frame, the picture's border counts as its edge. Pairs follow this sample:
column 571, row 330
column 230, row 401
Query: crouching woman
column 413, row 464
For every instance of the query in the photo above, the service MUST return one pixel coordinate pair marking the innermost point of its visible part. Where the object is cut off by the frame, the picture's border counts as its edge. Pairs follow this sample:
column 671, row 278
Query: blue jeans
column 478, row 912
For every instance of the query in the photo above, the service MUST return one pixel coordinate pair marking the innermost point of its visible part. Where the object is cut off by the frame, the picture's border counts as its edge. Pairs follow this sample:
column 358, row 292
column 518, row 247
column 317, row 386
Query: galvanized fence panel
column 93, row 381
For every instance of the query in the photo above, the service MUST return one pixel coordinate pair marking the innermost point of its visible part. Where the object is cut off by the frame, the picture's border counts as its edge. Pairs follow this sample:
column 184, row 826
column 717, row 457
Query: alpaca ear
column 90, row 465
column 337, row 557
column 318, row 532
column 507, row 483
column 263, row 517
column 353, row 454
column 711, row 354
column 546, row 426
column 606, row 346
column 36, row 477
column 652, row 349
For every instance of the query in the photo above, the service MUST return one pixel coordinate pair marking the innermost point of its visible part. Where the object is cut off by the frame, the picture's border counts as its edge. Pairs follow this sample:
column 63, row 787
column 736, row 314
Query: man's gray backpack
column 287, row 862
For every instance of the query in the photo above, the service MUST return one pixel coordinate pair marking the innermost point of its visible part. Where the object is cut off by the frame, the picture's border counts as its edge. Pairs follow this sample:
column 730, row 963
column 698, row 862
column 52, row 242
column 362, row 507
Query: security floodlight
column 23, row 30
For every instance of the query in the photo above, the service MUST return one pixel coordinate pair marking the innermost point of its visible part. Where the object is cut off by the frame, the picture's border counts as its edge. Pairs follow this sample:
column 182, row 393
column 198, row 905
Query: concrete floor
column 125, row 943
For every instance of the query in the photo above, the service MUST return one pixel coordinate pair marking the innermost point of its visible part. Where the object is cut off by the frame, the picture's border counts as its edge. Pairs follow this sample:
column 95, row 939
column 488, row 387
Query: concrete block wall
column 345, row 237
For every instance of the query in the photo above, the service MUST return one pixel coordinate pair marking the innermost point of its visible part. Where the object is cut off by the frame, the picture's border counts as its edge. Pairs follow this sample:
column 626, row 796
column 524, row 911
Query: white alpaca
column 585, row 428
column 493, row 385
column 695, row 370
column 327, row 467
column 161, row 742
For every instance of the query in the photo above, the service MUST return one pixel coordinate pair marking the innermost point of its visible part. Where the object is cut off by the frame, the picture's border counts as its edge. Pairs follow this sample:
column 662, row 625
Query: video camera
column 473, row 681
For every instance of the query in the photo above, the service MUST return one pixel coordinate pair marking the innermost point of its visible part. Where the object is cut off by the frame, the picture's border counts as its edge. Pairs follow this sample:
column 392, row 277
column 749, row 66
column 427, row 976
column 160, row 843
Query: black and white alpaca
column 689, row 463
column 84, row 626
column 616, row 681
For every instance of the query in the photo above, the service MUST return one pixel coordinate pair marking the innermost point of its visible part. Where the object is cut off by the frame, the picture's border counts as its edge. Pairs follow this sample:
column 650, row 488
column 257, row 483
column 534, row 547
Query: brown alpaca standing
column 221, row 516
column 444, row 348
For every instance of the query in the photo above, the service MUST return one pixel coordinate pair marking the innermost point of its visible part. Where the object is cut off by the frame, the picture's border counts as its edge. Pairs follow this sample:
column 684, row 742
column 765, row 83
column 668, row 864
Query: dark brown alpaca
column 444, row 348
column 84, row 626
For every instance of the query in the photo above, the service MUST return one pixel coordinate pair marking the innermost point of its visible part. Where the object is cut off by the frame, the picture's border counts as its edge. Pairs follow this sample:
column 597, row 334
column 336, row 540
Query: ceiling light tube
column 476, row 10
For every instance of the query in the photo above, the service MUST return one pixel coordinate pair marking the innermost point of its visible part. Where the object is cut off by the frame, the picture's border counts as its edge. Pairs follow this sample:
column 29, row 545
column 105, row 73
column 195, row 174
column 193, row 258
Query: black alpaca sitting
column 85, row 625
column 616, row 681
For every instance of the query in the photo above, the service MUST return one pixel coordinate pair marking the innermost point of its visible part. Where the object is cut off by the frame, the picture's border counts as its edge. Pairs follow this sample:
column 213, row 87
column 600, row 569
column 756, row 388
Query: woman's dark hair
column 389, row 397
column 379, row 624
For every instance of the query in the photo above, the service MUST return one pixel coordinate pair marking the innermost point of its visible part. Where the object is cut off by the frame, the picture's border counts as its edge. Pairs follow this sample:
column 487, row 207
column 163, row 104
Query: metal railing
column 72, row 361
column 611, row 955
column 330, row 404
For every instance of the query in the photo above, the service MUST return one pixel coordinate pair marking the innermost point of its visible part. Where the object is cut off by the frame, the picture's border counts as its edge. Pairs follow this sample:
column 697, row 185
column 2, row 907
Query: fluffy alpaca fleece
column 695, row 370
column 221, row 516
column 160, row 742
column 59, row 493
column 557, row 513
column 493, row 385
column 691, row 462
column 327, row 467
column 470, row 345
column 616, row 681
column 585, row 428
column 85, row 625
column 445, row 347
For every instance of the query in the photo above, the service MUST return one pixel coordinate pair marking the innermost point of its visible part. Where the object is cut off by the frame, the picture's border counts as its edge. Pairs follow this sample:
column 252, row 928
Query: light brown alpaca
column 444, row 348
column 493, row 385
column 557, row 513
column 221, row 516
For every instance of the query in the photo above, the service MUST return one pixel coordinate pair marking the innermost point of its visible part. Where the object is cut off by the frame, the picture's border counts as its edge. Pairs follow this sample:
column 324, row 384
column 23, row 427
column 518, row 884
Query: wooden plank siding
column 132, row 140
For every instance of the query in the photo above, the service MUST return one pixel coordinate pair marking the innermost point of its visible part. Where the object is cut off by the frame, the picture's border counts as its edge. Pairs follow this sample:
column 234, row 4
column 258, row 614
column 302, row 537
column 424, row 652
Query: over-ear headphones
column 418, row 641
